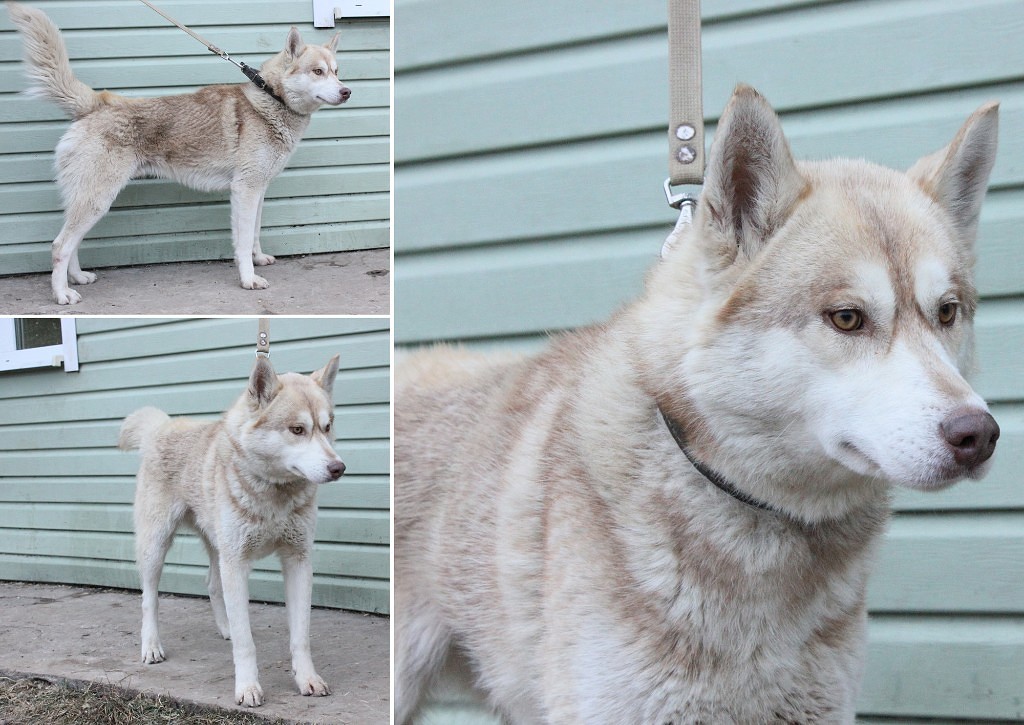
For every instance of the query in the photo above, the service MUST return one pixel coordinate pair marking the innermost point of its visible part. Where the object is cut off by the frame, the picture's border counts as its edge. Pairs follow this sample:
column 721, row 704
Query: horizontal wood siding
column 333, row 196
column 528, row 199
column 66, row 490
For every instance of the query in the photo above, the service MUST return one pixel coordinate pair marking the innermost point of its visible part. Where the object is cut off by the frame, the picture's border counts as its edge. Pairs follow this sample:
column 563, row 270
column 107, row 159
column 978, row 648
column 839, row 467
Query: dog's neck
column 716, row 478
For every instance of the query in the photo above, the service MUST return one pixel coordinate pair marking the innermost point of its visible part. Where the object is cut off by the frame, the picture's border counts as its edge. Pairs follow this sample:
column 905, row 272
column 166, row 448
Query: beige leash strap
column 263, row 338
column 686, row 103
column 213, row 48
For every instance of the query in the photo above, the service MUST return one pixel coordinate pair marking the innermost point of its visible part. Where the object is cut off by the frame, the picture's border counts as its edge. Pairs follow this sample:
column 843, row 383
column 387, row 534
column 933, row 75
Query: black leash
column 251, row 73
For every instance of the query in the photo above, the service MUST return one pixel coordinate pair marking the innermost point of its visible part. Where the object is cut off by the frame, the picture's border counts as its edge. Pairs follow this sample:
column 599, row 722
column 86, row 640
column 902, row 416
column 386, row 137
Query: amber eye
column 318, row 71
column 847, row 320
column 947, row 313
column 298, row 430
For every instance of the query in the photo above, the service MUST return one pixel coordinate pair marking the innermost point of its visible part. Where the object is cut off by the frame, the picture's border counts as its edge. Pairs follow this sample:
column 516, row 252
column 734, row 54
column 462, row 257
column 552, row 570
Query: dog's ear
column 294, row 45
column 957, row 176
column 751, row 182
column 332, row 44
column 263, row 383
column 324, row 377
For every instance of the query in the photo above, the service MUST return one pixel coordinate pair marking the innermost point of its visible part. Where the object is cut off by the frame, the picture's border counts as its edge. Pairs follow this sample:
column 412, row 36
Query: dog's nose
column 335, row 469
column 971, row 436
column 346, row 93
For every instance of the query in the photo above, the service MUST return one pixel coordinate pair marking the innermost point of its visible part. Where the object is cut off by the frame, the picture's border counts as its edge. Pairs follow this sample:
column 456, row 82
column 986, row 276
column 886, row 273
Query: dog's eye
column 318, row 71
column 298, row 430
column 847, row 320
column 947, row 313
column 327, row 428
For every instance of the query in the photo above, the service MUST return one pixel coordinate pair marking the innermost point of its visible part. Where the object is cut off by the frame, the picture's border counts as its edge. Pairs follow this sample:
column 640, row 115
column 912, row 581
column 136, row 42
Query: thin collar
column 679, row 436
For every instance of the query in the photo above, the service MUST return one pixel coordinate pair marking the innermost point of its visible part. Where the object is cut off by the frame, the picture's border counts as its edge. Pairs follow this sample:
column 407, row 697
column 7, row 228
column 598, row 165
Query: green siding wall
column 66, row 490
column 529, row 159
column 333, row 196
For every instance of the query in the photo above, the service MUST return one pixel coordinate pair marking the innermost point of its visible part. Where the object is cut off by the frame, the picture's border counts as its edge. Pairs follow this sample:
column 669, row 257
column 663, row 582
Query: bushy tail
column 139, row 426
column 48, row 66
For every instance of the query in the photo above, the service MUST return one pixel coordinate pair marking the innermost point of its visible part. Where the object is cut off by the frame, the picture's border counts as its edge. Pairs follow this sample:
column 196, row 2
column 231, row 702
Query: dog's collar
column 254, row 75
column 679, row 436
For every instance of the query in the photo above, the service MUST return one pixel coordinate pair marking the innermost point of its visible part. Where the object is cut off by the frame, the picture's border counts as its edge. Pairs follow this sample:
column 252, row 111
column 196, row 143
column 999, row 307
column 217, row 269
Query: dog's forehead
column 872, row 215
column 301, row 395
column 314, row 55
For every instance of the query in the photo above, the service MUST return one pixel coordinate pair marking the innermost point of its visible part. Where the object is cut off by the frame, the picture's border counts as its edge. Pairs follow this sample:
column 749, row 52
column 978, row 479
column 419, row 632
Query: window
column 38, row 342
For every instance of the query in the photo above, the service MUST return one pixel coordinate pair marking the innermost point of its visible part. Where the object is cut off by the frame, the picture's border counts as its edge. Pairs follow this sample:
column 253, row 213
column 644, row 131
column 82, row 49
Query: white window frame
column 63, row 355
column 325, row 12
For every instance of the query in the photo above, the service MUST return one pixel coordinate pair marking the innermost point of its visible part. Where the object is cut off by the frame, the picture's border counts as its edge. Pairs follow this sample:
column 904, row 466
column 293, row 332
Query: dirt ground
column 92, row 634
column 339, row 283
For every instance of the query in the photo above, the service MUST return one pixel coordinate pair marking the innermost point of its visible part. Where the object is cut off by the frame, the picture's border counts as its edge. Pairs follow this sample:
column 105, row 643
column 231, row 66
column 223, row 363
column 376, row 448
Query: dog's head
column 307, row 75
column 286, row 422
column 834, row 308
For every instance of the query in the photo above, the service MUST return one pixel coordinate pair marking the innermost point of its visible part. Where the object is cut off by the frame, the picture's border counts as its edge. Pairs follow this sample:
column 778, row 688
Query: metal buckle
column 678, row 201
column 683, row 202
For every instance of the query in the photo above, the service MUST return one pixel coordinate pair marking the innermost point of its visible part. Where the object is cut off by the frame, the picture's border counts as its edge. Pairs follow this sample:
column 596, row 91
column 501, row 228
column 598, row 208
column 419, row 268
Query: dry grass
column 33, row 700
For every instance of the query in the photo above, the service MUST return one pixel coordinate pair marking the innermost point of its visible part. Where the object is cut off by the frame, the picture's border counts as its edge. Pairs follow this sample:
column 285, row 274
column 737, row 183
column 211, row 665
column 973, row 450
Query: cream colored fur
column 247, row 484
column 549, row 529
column 222, row 137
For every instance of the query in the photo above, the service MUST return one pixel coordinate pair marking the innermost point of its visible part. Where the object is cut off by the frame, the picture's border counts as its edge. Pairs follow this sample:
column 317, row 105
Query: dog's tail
column 48, row 66
column 139, row 426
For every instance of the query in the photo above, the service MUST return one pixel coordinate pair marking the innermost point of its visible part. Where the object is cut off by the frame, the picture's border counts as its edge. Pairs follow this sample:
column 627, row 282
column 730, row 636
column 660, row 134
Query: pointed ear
column 332, row 44
column 324, row 377
column 263, row 383
column 294, row 45
column 957, row 176
column 751, row 182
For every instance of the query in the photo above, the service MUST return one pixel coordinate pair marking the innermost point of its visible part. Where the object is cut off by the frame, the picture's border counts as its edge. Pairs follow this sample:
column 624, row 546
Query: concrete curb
column 339, row 283
column 80, row 633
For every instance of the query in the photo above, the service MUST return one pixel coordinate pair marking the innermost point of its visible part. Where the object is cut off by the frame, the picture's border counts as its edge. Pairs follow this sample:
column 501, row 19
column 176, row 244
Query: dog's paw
column 82, row 277
column 152, row 653
column 262, row 260
column 312, row 685
column 256, row 282
column 67, row 296
column 250, row 695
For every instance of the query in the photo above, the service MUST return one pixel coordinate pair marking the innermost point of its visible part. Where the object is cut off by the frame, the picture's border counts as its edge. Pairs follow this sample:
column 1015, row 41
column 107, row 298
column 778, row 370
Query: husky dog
column 247, row 484
column 235, row 137
column 669, row 518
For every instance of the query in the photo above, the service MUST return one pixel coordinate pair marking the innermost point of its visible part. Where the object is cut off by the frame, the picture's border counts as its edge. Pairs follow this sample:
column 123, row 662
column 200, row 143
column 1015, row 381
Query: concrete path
column 340, row 283
column 93, row 634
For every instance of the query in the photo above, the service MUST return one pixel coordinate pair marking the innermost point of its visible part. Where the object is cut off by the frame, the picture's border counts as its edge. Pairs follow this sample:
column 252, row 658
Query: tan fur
column 222, row 137
column 247, row 485
column 548, row 527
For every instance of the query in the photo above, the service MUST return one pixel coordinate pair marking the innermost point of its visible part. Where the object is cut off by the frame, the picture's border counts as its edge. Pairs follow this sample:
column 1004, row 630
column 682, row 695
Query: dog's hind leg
column 421, row 644
column 245, row 207
column 89, row 183
column 64, row 255
column 154, row 533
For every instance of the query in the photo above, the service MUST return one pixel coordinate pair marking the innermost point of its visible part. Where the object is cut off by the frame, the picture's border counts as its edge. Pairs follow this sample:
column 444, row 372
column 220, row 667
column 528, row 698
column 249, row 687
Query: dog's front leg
column 258, row 257
column 234, row 574
column 298, row 584
column 245, row 206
